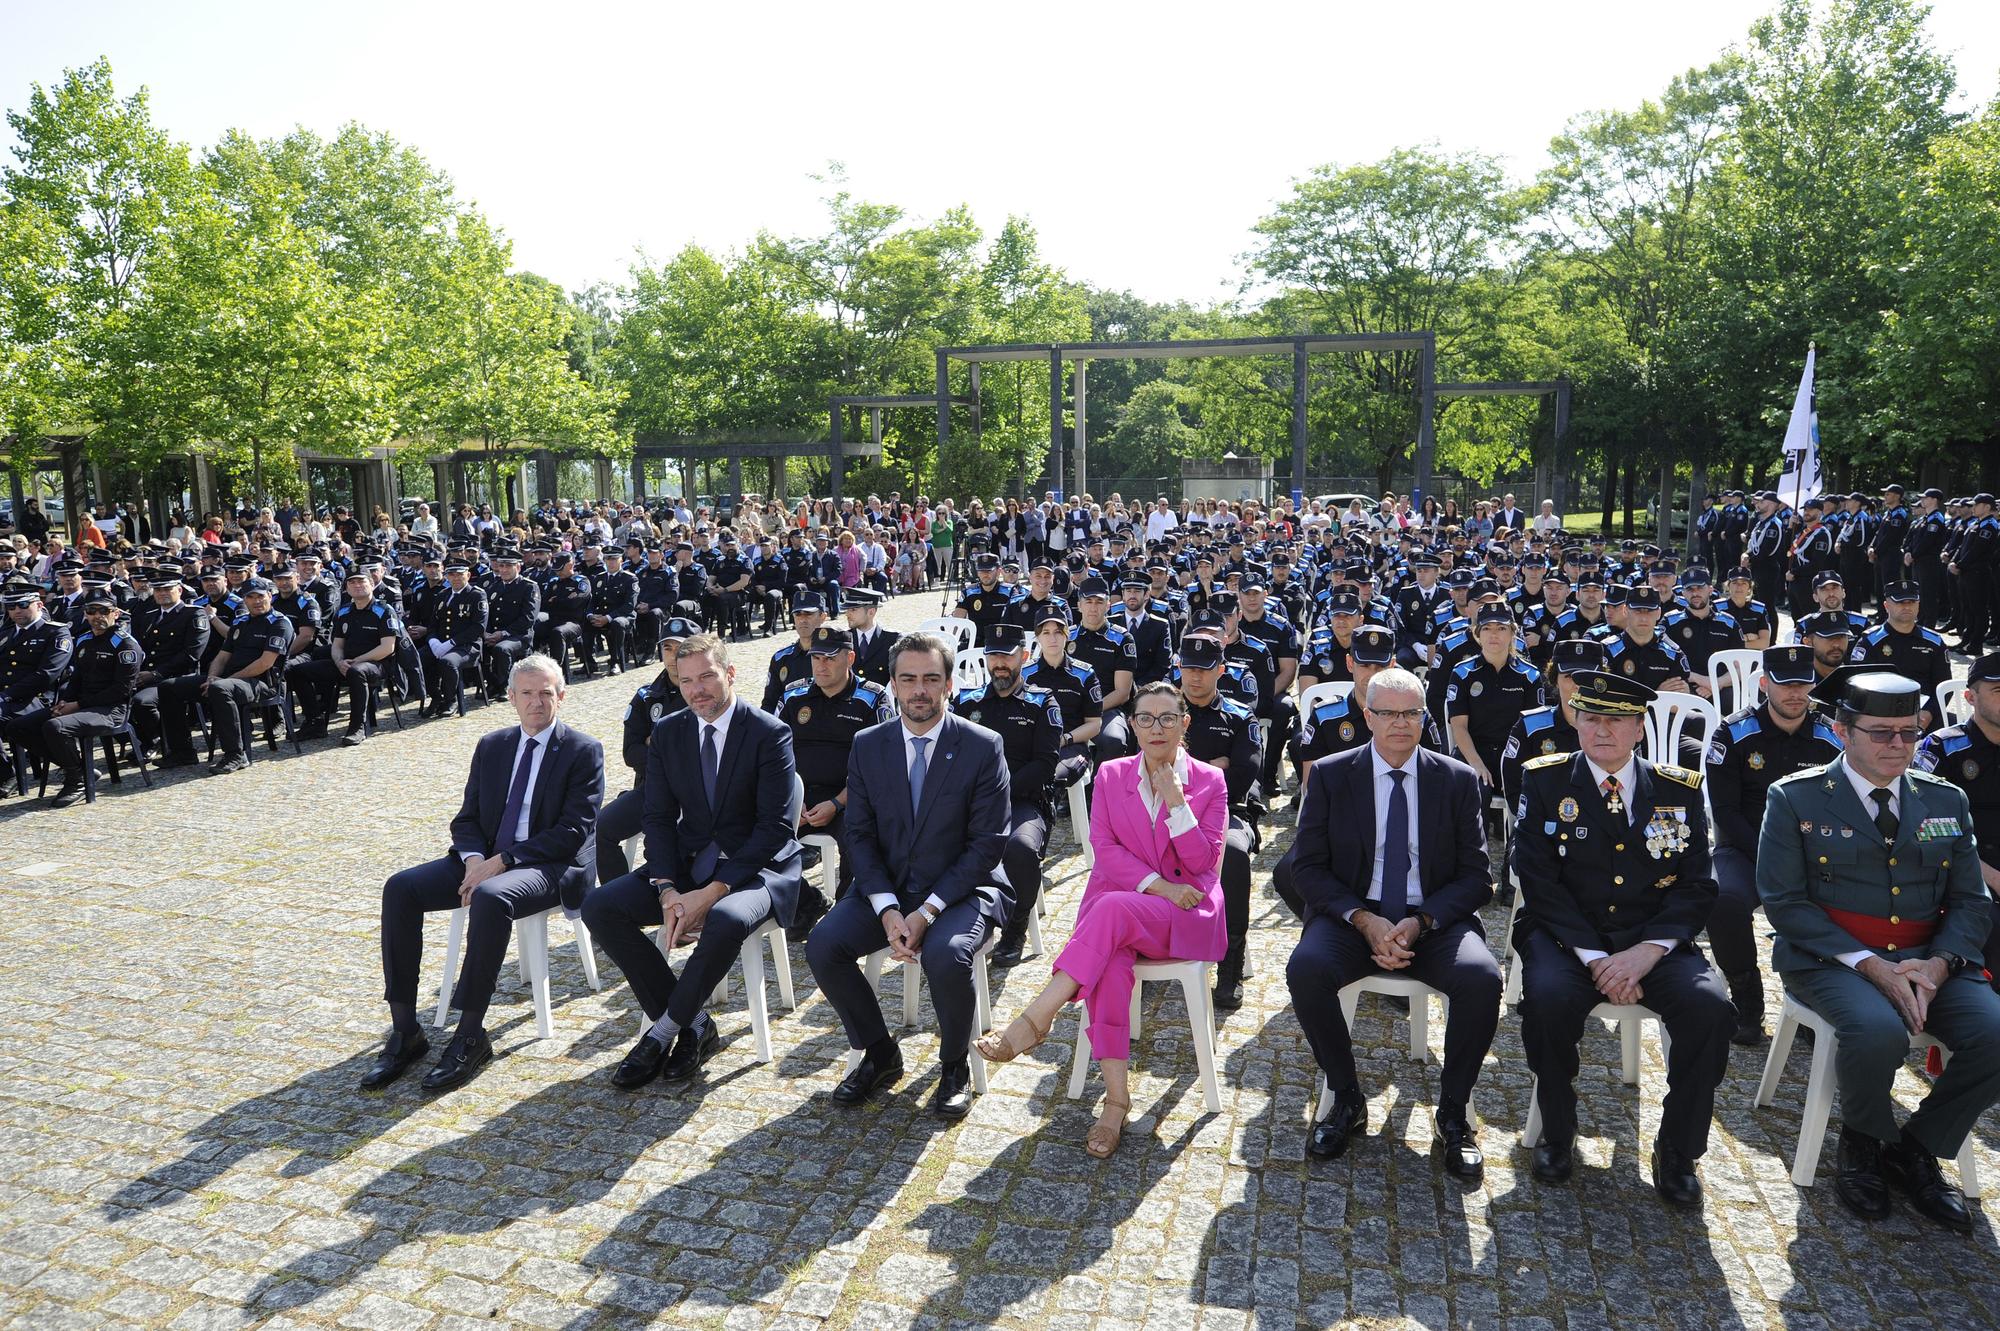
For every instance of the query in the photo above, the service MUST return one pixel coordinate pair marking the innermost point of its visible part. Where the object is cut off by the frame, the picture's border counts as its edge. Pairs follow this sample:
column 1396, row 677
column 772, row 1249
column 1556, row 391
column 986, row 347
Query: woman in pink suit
column 1154, row 893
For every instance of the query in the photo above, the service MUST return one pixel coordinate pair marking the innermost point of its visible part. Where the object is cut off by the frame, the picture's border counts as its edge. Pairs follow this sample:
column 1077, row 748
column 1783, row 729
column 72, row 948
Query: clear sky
column 1143, row 140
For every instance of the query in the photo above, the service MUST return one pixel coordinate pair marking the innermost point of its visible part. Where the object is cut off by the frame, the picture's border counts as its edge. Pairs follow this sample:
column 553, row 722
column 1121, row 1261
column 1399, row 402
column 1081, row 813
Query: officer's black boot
column 72, row 790
column 1009, row 951
column 1746, row 990
column 1229, row 978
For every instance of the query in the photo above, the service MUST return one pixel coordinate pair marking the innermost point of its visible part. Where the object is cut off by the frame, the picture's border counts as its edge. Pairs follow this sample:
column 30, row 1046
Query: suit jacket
column 873, row 665
column 947, row 848
column 753, row 818
column 1129, row 845
column 562, row 813
column 1820, row 848
column 1336, row 838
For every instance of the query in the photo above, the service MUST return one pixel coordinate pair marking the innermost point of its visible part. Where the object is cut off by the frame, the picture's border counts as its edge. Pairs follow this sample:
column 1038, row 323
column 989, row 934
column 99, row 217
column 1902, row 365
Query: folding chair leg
column 781, row 962
column 532, row 936
column 753, row 987
column 981, row 1003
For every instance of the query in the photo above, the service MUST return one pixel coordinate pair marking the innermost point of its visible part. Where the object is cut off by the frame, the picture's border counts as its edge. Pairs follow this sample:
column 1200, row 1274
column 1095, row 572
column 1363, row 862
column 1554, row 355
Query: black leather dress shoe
column 1341, row 1125
column 465, row 1055
column 1858, row 1182
column 1455, row 1141
column 954, row 1092
column 870, row 1075
column 402, row 1050
column 1916, row 1175
column 1007, row 954
column 1749, row 1032
column 641, row 1065
column 1554, row 1161
column 1228, row 993
column 694, row 1047
column 1674, row 1177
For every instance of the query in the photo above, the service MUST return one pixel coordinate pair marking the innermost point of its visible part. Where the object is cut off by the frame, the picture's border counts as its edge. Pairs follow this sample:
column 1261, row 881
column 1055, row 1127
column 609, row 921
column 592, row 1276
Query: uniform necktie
column 1885, row 817
column 1614, row 800
column 517, row 795
column 708, row 764
column 1396, row 851
column 918, row 768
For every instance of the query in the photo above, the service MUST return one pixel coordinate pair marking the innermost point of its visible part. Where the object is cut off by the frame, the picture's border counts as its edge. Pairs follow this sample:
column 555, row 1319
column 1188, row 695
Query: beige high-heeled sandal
column 1102, row 1140
column 999, row 1046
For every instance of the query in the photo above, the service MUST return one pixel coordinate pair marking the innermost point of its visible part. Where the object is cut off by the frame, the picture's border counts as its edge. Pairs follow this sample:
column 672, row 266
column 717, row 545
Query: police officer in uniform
column 1611, row 854
column 1975, row 561
column 618, row 821
column 94, row 699
column 172, row 635
column 457, row 637
column 985, row 602
column 1871, row 877
column 1029, row 721
column 566, row 599
column 1968, row 756
column 792, row 663
column 614, row 601
column 1223, row 732
column 1904, row 647
column 1639, row 652
column 872, row 645
column 1767, row 549
column 1923, row 555
column 1753, row 619
column 1699, row 629
column 1752, row 751
column 1079, row 694
column 1487, row 694
column 1149, row 624
column 1112, row 652
column 245, row 673
column 1542, row 731
column 826, row 711
column 513, row 602
column 362, row 639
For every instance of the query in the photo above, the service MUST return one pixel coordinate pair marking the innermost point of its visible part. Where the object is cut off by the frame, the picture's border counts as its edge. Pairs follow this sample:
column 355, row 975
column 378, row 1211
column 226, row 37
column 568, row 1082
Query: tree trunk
column 1610, row 491
column 1631, row 485
column 1697, row 490
column 1665, row 532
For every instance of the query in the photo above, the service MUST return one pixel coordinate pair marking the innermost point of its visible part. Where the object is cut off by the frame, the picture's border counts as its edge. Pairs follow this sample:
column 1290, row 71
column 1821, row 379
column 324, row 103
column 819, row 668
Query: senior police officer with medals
column 512, row 603
column 1029, row 722
column 825, row 713
column 1968, row 756
column 172, row 635
column 1871, row 877
column 1611, row 854
column 1751, row 751
column 94, row 699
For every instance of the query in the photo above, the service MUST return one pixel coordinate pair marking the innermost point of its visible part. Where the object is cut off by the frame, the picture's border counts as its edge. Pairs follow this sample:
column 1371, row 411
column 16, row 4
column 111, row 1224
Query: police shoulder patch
column 1680, row 775
column 1551, row 760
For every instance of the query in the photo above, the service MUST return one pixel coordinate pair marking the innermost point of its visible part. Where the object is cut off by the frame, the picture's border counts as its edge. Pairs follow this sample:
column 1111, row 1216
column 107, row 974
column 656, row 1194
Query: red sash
column 1877, row 931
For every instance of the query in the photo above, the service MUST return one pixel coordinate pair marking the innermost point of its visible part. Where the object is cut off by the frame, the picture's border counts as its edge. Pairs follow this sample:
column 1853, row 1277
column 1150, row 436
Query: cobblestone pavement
column 192, row 988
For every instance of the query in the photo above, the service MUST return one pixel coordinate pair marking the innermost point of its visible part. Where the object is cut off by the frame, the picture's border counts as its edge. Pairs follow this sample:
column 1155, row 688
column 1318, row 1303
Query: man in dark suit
column 871, row 643
column 1403, row 899
column 1510, row 515
column 524, row 834
column 927, row 818
column 1611, row 852
column 719, row 860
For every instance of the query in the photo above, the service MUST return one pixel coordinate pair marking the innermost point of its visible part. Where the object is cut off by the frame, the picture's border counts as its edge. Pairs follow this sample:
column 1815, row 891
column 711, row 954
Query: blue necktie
column 917, row 770
column 517, row 795
column 1396, row 852
column 708, row 765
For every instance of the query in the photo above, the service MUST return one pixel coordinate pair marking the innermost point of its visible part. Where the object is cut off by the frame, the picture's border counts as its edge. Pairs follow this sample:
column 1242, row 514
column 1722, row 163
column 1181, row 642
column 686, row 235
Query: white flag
column 1801, row 480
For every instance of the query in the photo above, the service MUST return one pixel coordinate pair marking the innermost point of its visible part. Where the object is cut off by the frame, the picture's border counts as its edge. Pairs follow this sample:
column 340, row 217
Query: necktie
column 708, row 764
column 517, row 795
column 918, row 768
column 1885, row 817
column 1396, row 852
column 1614, row 801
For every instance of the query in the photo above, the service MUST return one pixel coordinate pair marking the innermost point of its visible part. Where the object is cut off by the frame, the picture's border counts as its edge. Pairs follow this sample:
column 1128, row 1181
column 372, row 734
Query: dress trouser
column 618, row 822
column 507, row 896
column 447, row 671
column 1964, row 1015
column 618, row 915
column 1021, row 857
column 1284, row 881
column 1731, row 931
column 1556, row 998
column 852, row 930
column 1115, row 930
column 1239, row 843
column 63, row 737
column 1332, row 954
column 1114, row 737
column 226, row 698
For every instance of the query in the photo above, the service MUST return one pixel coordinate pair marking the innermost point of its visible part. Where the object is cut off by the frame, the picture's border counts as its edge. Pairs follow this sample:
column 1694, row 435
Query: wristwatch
column 1953, row 963
column 930, row 914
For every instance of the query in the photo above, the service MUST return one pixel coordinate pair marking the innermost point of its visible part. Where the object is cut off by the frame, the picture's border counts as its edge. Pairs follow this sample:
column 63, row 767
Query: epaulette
column 868, row 694
column 1822, row 730
column 1537, row 719
column 795, row 689
column 1679, row 775
column 1546, row 760
column 1082, row 670
column 966, row 696
column 1744, row 726
column 1231, row 707
column 1917, row 774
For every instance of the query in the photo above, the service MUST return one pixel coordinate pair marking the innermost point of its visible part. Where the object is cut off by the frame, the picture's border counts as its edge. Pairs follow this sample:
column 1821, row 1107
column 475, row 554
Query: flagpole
column 1799, row 473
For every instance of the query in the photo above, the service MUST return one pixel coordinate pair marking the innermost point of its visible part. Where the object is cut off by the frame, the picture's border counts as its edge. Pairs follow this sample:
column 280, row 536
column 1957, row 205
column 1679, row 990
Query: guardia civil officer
column 1611, row 854
column 1870, row 875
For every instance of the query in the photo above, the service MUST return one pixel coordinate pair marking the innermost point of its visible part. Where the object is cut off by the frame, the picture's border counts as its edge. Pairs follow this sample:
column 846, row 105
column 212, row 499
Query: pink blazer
column 1129, row 845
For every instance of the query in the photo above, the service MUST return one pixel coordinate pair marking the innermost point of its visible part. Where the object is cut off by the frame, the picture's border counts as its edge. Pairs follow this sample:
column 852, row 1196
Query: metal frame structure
column 1300, row 349
column 1549, row 482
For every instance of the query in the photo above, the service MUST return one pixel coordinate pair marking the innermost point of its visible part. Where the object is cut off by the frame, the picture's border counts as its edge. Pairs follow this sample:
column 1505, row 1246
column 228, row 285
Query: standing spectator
column 424, row 525
column 1548, row 520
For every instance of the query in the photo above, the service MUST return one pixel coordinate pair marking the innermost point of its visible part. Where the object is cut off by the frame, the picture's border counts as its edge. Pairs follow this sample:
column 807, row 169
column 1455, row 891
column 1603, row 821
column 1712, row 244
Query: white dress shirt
column 721, row 724
column 534, row 775
column 1384, row 784
column 1181, row 820
column 881, row 901
column 1627, row 775
column 1862, row 790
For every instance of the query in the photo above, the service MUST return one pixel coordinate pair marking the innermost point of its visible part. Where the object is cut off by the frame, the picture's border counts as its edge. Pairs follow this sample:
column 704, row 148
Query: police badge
column 1888, row 649
column 1567, row 810
column 806, row 714
column 1970, row 768
column 1756, row 762
column 1477, row 688
column 1548, row 746
column 975, row 602
column 973, row 717
column 1346, row 730
column 1630, row 665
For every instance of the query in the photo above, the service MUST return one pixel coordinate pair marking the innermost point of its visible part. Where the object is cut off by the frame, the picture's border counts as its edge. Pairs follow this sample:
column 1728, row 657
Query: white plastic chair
column 1820, row 1090
column 1667, row 718
column 1079, row 814
column 1630, row 1017
column 1040, row 908
column 1952, row 705
column 829, row 860
column 752, row 957
column 961, row 632
column 913, row 976
column 531, row 940
column 1741, row 672
column 969, row 672
column 1419, row 995
column 1192, row 976
column 1310, row 700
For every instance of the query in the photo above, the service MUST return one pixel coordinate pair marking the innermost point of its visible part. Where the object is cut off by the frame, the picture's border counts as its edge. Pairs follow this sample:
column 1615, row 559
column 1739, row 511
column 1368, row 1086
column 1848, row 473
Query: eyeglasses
column 1409, row 717
column 1889, row 734
column 1155, row 720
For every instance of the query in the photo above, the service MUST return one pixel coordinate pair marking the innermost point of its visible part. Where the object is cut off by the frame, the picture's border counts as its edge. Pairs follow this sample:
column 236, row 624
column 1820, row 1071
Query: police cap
column 1789, row 665
column 829, row 641
column 1372, row 645
column 1605, row 694
column 1201, row 651
column 1578, row 654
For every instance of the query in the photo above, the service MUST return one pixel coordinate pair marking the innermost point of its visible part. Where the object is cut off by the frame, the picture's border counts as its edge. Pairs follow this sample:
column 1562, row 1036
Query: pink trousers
column 1113, row 932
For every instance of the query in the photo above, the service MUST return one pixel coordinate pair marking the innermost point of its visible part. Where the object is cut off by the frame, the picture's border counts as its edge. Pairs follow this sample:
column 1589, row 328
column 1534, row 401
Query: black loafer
column 1915, row 1173
column 954, row 1092
column 1554, row 1162
column 1458, row 1146
column 641, row 1065
column 1858, row 1182
column 465, row 1055
column 695, row 1046
column 1674, row 1177
column 1007, row 955
column 401, row 1050
column 1341, row 1125
column 1228, row 994
column 870, row 1075
column 70, row 793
